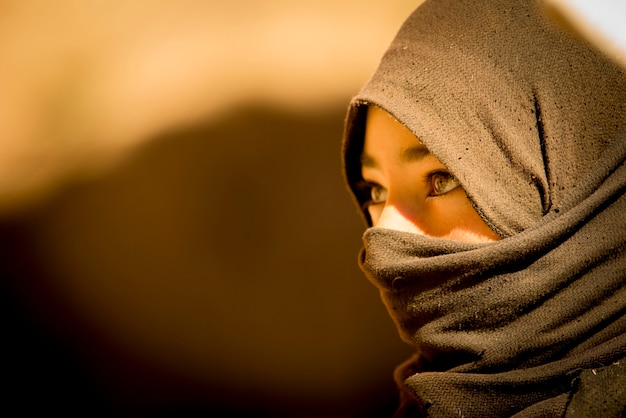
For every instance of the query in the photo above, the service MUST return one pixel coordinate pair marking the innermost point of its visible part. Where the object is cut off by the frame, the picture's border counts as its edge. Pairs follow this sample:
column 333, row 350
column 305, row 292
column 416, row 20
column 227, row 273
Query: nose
column 392, row 218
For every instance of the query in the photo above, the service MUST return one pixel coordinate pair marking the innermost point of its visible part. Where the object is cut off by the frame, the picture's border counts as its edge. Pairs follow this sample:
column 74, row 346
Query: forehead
column 385, row 135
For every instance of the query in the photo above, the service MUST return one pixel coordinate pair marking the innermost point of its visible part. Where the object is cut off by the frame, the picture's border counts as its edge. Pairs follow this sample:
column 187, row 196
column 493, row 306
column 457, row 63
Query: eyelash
column 365, row 188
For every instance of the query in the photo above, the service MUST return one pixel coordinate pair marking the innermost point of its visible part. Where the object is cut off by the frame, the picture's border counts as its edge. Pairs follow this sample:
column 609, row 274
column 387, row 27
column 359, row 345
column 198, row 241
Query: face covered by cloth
column 531, row 121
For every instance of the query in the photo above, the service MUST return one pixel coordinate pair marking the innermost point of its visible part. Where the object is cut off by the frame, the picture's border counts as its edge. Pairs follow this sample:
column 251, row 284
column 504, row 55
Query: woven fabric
column 531, row 120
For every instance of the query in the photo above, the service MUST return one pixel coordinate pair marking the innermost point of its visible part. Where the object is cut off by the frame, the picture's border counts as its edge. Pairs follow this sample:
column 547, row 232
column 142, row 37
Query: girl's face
column 411, row 190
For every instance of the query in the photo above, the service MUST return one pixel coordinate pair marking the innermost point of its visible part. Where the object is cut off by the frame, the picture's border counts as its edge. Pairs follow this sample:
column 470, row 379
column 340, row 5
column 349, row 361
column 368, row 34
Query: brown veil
column 532, row 121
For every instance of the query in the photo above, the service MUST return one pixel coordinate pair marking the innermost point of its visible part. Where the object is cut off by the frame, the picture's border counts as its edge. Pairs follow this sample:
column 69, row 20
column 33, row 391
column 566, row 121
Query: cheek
column 453, row 217
column 374, row 211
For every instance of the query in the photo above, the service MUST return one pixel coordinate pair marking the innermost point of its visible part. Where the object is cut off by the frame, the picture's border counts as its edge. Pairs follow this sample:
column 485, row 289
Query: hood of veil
column 519, row 111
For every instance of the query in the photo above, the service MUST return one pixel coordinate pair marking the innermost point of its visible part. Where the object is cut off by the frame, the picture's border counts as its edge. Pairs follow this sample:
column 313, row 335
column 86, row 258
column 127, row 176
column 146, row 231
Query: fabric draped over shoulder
column 532, row 121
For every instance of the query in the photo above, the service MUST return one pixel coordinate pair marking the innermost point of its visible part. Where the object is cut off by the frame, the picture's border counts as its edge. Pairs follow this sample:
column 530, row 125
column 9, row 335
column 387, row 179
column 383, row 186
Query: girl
column 487, row 154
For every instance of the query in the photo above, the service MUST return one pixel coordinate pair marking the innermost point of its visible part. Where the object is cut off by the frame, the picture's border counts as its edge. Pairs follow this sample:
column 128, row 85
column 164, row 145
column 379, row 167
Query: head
column 515, row 111
column 408, row 189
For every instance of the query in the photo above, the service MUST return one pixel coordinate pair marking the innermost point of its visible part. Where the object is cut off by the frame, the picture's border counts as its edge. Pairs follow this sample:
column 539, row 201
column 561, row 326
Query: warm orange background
column 175, row 235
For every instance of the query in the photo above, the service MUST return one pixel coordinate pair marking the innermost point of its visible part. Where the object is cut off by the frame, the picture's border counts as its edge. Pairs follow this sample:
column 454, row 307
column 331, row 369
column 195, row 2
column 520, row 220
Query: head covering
column 532, row 121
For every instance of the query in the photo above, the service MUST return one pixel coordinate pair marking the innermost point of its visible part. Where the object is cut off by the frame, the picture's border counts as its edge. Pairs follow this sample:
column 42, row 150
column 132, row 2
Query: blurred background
column 175, row 236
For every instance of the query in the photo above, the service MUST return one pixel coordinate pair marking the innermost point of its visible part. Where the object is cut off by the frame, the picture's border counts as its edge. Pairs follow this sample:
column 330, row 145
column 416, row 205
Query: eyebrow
column 409, row 155
column 367, row 161
column 414, row 153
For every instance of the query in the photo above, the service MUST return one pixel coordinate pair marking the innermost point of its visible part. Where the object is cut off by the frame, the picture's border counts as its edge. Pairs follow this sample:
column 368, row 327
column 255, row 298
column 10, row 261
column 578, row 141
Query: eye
column 442, row 182
column 378, row 194
column 371, row 193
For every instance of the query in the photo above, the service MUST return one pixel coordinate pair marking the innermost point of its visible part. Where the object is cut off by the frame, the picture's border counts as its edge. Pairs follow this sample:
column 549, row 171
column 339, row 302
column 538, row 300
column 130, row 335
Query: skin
column 410, row 189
